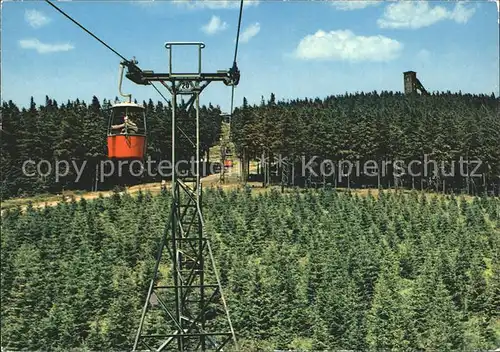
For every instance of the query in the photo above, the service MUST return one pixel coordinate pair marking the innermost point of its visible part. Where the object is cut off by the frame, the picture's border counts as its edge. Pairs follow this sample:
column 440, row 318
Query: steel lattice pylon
column 185, row 309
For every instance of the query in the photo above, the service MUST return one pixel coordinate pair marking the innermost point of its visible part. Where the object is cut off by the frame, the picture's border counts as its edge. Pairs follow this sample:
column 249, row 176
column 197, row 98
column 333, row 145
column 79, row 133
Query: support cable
column 86, row 30
column 115, row 52
column 232, row 71
column 128, row 61
column 238, row 32
column 235, row 56
column 180, row 129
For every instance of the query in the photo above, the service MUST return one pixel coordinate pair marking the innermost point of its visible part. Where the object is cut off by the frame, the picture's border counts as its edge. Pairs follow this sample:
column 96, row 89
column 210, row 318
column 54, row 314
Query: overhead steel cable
column 86, row 30
column 128, row 61
column 180, row 129
column 232, row 103
column 235, row 56
column 114, row 51
column 238, row 32
column 234, row 79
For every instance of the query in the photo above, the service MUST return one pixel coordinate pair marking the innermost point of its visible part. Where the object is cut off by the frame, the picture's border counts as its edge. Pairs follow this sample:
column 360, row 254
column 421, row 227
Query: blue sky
column 294, row 48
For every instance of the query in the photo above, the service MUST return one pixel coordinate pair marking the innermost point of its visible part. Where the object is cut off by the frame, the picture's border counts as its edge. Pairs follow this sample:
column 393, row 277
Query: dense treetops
column 361, row 126
column 381, row 127
column 303, row 270
column 76, row 132
column 313, row 270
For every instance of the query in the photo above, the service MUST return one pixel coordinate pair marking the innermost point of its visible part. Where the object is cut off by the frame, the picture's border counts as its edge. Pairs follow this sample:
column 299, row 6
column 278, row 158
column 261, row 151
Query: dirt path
column 232, row 182
column 52, row 200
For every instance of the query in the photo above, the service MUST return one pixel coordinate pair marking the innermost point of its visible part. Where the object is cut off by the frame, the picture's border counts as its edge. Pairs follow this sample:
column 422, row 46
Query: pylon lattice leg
column 185, row 309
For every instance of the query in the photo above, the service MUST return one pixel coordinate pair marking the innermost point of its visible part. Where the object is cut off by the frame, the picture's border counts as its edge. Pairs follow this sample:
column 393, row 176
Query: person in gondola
column 128, row 126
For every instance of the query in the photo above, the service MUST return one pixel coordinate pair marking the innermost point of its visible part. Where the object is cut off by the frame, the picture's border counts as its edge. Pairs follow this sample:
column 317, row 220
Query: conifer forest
column 443, row 128
column 411, row 263
column 275, row 214
column 313, row 270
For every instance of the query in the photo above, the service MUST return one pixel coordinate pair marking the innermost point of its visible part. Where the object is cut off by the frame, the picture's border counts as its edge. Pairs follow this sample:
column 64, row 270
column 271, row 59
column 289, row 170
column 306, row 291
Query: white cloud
column 216, row 4
column 250, row 32
column 462, row 14
column 44, row 48
column 36, row 19
column 354, row 4
column 417, row 14
column 215, row 25
column 345, row 45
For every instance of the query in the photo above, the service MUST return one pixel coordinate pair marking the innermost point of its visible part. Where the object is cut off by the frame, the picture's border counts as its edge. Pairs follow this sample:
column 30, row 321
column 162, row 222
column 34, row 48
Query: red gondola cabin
column 127, row 131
